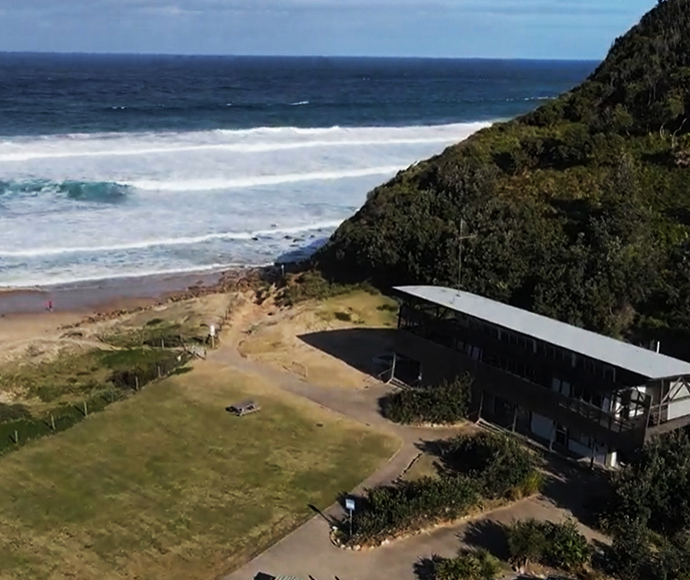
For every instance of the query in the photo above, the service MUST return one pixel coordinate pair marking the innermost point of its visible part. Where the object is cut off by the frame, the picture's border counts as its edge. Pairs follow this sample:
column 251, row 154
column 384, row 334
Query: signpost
column 350, row 506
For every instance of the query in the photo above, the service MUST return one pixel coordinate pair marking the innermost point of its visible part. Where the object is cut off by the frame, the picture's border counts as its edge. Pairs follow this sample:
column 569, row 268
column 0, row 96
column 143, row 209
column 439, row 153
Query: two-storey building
column 573, row 389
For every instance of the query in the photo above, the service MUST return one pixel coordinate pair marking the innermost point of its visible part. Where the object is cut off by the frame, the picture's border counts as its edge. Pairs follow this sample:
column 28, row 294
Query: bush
column 444, row 404
column 505, row 467
column 14, row 412
column 467, row 565
column 312, row 285
column 557, row 545
column 527, row 542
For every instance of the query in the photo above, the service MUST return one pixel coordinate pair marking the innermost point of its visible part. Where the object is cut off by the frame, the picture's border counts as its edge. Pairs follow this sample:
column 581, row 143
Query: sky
column 544, row 29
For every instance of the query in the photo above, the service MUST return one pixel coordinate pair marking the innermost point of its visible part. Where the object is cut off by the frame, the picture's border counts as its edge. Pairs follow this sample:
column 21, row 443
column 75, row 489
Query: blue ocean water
column 115, row 166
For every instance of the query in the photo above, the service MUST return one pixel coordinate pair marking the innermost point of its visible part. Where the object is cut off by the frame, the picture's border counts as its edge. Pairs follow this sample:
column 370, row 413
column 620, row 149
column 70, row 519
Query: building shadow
column 575, row 488
column 262, row 576
column 356, row 347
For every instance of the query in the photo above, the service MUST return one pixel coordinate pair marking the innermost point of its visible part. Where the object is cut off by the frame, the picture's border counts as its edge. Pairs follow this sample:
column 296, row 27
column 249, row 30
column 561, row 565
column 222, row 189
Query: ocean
column 119, row 166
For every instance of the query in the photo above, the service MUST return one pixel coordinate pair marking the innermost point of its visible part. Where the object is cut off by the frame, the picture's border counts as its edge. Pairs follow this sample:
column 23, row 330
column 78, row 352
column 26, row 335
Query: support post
column 395, row 360
column 16, row 437
column 591, row 462
column 553, row 435
column 481, row 406
column 515, row 416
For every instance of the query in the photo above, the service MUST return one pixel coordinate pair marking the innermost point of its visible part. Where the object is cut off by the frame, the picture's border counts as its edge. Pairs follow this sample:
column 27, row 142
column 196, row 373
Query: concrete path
column 307, row 553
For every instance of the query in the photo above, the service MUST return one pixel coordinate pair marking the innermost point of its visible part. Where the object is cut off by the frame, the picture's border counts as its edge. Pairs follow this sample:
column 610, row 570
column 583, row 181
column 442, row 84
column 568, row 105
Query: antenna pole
column 461, row 239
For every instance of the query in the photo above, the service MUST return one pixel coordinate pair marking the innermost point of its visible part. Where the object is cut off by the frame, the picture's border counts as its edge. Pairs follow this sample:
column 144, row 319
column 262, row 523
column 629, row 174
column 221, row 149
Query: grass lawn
column 168, row 485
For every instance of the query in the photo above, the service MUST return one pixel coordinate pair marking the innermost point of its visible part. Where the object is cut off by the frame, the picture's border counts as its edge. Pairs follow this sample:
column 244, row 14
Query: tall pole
column 461, row 239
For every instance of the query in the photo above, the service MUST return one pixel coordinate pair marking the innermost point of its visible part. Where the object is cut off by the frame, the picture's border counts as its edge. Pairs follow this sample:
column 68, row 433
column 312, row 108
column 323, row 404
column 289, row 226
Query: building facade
column 574, row 390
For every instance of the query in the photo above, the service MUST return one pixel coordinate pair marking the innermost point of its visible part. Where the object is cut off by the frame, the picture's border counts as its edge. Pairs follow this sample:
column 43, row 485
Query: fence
column 15, row 433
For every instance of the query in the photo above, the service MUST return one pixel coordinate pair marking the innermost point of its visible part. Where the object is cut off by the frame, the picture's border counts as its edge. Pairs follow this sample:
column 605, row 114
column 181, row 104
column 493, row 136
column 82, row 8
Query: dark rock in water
column 313, row 236
column 255, row 239
column 287, row 237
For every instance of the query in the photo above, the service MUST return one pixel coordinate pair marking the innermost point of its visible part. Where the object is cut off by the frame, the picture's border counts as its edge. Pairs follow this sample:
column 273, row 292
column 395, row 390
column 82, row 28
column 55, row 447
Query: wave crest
column 99, row 192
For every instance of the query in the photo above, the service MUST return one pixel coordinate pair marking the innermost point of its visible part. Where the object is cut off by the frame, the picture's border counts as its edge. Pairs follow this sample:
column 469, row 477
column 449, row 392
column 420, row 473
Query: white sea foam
column 177, row 241
column 259, row 180
column 270, row 186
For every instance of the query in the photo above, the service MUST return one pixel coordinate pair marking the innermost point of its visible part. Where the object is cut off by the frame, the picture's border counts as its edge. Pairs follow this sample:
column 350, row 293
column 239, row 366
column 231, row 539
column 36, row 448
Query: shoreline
column 119, row 293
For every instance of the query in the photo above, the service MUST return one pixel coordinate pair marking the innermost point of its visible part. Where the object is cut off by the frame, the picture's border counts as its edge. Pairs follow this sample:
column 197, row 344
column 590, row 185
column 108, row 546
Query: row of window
column 548, row 351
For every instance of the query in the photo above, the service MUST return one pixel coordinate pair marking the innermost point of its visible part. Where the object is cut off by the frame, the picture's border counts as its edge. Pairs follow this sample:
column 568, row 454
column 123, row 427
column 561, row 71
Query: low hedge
column 443, row 404
column 409, row 506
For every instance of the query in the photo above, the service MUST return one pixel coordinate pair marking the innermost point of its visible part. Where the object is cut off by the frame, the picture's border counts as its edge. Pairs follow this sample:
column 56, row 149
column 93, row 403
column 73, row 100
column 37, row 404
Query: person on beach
column 49, row 306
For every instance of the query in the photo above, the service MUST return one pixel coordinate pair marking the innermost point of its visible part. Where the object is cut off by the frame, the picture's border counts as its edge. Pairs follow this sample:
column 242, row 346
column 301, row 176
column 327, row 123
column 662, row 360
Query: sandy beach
column 114, row 294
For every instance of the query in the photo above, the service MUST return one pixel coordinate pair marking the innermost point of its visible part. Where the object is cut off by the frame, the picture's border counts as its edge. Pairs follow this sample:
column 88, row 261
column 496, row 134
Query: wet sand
column 105, row 295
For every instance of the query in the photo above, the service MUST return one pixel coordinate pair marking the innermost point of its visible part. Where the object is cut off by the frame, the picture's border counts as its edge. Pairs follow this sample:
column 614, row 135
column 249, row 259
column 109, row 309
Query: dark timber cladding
column 560, row 382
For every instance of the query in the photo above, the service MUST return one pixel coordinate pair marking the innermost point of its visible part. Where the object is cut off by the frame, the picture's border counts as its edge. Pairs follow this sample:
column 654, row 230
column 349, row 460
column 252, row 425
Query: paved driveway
column 308, row 554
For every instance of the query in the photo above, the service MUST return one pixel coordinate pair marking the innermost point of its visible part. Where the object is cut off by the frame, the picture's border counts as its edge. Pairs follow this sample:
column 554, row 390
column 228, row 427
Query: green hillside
column 581, row 209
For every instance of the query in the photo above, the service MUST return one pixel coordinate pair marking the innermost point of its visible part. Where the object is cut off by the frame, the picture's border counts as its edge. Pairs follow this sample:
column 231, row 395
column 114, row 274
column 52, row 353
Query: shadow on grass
column 355, row 347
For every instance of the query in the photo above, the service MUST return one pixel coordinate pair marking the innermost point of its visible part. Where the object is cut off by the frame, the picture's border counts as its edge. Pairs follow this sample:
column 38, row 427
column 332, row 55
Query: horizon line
column 290, row 56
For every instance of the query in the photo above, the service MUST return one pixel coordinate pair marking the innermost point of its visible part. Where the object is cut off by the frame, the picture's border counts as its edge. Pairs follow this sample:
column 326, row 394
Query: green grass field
column 167, row 484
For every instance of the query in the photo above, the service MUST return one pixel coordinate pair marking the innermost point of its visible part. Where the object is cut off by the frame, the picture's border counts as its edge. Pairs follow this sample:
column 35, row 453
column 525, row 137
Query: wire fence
column 16, row 432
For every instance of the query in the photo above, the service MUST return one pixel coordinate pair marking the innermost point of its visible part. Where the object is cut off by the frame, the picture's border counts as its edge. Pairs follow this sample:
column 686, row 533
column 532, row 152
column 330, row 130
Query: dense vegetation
column 558, row 545
column 409, row 506
column 446, row 403
column 649, row 513
column 581, row 209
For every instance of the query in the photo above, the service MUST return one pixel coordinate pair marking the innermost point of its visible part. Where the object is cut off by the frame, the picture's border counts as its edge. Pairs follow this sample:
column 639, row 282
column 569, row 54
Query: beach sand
column 26, row 325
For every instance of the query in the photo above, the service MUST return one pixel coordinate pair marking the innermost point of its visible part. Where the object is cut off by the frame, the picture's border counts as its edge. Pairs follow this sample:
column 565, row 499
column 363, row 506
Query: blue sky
column 577, row 29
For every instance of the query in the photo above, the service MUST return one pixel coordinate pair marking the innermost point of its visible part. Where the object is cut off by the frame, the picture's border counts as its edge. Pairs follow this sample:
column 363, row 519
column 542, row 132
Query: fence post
column 52, row 421
column 136, row 383
column 159, row 371
column 86, row 410
column 16, row 437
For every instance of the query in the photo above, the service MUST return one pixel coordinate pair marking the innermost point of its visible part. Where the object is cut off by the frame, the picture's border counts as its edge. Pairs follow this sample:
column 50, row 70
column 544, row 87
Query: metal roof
column 614, row 352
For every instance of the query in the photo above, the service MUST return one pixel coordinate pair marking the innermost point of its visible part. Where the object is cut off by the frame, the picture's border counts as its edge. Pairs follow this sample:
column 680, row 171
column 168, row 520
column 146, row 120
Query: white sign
column 350, row 505
column 212, row 330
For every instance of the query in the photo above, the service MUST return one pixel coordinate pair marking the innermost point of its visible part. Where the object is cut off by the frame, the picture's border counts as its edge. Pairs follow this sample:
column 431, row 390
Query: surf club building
column 575, row 391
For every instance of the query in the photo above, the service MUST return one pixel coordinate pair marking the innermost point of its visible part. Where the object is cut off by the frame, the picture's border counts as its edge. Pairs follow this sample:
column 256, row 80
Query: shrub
column 568, row 548
column 312, row 285
column 467, row 565
column 446, row 403
column 557, row 545
column 14, row 412
column 505, row 467
column 527, row 542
